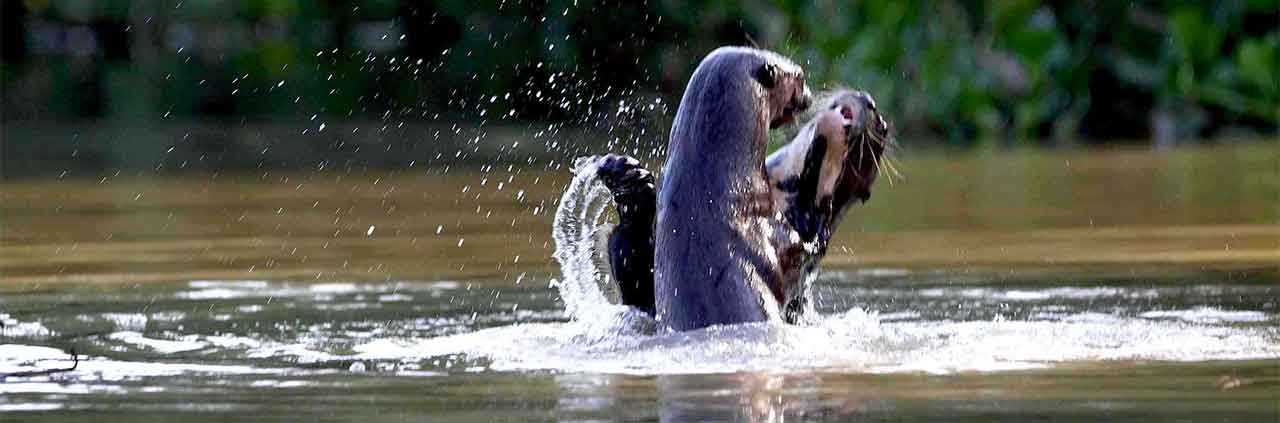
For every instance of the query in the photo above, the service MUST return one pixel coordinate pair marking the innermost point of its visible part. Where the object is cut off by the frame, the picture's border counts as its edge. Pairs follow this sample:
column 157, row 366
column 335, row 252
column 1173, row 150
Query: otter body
column 829, row 165
column 713, row 260
column 730, row 239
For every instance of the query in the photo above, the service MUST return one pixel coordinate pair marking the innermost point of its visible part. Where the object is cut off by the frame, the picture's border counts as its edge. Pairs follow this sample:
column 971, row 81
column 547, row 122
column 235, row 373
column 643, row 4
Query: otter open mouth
column 868, row 140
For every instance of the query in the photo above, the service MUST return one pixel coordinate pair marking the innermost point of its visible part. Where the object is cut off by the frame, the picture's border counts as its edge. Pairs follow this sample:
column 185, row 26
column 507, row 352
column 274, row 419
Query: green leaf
column 1257, row 63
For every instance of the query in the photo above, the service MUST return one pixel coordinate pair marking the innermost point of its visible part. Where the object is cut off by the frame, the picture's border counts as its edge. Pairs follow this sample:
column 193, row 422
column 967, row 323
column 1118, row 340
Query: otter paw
column 623, row 174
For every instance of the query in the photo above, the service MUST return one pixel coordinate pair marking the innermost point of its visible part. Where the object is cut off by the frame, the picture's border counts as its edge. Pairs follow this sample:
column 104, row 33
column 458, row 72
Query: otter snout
column 800, row 100
column 859, row 113
column 877, row 125
column 851, row 116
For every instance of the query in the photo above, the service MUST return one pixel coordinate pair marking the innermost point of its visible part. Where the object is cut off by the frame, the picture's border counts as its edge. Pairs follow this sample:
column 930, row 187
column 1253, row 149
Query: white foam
column 54, row 388
column 444, row 285
column 1072, row 293
column 253, row 348
column 15, row 353
column 392, row 298
column 34, row 406
column 270, row 383
column 323, row 292
column 124, row 321
column 16, row 329
column 300, row 353
column 215, row 294
column 236, row 284
column 1207, row 315
column 883, row 272
column 163, row 346
column 850, row 342
column 335, row 288
column 91, row 371
column 231, row 341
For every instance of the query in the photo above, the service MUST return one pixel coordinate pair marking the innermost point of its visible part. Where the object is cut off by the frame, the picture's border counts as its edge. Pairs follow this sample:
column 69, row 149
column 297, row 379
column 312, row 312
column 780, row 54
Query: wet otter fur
column 729, row 239
column 829, row 165
column 714, row 259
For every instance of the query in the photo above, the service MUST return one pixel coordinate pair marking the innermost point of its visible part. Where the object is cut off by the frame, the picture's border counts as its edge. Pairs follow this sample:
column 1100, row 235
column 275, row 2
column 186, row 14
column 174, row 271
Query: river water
column 1085, row 285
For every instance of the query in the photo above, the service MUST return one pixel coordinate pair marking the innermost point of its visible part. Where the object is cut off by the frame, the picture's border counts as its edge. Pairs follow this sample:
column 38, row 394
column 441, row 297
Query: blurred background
column 115, row 85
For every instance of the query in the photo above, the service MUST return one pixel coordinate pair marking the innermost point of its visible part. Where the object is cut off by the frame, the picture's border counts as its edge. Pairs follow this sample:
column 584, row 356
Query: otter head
column 833, row 160
column 734, row 97
column 863, row 136
column 785, row 92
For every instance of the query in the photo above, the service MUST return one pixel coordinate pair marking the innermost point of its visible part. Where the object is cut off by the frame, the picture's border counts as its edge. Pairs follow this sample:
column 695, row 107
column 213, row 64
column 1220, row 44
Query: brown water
column 1083, row 285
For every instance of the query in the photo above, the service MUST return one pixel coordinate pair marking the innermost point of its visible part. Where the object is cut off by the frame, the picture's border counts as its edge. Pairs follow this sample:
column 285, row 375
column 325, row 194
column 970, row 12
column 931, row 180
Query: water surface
column 1125, row 285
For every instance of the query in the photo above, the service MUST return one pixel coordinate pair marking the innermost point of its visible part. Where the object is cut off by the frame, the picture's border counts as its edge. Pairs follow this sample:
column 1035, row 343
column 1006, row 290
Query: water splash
column 579, row 226
column 854, row 341
column 580, row 231
column 865, row 327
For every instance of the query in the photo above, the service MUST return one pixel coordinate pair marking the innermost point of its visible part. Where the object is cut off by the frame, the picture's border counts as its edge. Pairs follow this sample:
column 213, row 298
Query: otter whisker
column 888, row 158
column 888, row 144
column 880, row 169
column 887, row 169
column 862, row 146
column 893, row 170
column 876, row 161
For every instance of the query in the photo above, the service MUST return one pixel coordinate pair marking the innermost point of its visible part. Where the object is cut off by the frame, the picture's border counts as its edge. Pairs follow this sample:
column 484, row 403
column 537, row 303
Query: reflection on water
column 971, row 292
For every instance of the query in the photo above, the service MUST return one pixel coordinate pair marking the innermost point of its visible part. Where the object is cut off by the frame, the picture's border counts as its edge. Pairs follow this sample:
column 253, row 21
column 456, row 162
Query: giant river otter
column 730, row 236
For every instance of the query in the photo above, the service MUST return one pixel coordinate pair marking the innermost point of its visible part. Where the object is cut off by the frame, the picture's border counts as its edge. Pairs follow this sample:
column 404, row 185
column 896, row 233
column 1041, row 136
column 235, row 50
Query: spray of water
column 579, row 222
column 580, row 228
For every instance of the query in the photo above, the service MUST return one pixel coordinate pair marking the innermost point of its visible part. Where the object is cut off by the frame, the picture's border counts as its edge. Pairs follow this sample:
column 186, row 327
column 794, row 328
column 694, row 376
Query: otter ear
column 767, row 74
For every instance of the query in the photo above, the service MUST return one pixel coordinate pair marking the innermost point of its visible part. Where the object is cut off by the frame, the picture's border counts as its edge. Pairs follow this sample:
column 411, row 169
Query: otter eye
column 767, row 74
column 867, row 101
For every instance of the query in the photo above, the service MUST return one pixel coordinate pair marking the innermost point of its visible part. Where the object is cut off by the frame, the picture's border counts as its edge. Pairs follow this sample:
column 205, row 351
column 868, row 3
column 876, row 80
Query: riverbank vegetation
column 958, row 73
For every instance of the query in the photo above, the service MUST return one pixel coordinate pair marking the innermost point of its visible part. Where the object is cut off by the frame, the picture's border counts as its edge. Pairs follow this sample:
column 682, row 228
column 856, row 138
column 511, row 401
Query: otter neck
column 729, row 151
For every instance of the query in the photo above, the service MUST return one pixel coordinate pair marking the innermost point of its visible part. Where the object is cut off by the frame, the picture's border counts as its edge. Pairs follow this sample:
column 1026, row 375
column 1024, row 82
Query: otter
column 730, row 236
column 829, row 165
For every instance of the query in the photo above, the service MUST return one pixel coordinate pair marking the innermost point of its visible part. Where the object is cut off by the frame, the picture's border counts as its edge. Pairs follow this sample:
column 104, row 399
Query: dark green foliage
column 1035, row 70
column 962, row 71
